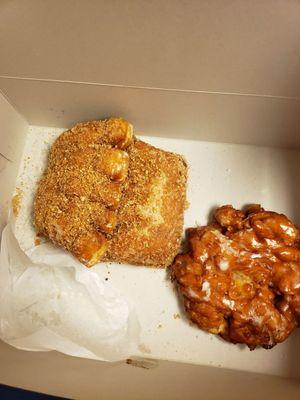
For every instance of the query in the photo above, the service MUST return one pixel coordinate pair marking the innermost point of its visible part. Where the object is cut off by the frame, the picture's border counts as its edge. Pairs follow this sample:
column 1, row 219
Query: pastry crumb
column 143, row 348
column 37, row 241
column 16, row 202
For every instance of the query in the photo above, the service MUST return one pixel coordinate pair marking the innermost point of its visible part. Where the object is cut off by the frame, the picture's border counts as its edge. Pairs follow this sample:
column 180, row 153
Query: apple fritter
column 241, row 277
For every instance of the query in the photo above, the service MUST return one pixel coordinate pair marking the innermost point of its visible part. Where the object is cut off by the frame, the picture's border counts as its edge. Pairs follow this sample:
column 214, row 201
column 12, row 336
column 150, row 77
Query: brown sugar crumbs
column 16, row 202
column 37, row 241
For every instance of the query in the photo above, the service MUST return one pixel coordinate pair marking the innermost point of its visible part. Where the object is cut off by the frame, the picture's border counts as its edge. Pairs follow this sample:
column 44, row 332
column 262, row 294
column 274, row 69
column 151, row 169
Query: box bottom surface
column 218, row 174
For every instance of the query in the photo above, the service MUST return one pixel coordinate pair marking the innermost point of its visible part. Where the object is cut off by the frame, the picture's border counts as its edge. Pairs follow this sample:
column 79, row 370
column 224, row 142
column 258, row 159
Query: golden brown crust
column 241, row 277
column 107, row 196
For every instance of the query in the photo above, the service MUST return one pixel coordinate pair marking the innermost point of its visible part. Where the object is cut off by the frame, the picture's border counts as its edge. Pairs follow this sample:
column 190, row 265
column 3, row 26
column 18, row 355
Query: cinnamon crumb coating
column 107, row 196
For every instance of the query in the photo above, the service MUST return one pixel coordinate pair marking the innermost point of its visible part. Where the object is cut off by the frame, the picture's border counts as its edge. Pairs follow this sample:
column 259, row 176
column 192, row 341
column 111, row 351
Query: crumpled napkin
column 49, row 301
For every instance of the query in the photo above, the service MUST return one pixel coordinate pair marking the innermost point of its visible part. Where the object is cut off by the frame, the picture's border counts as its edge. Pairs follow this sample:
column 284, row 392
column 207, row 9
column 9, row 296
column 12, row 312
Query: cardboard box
column 217, row 81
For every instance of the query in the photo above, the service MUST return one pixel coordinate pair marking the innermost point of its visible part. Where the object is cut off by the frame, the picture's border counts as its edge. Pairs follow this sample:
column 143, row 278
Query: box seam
column 150, row 88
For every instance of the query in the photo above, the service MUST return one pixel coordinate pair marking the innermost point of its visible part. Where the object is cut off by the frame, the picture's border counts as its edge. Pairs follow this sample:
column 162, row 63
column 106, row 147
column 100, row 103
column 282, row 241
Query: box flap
column 223, row 46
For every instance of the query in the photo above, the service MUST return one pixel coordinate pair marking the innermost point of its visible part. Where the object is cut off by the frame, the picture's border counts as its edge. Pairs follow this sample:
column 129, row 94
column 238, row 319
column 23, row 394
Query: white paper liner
column 49, row 301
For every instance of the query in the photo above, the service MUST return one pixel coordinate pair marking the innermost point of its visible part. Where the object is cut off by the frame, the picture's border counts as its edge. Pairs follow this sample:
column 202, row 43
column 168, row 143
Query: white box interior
column 218, row 174
column 236, row 118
